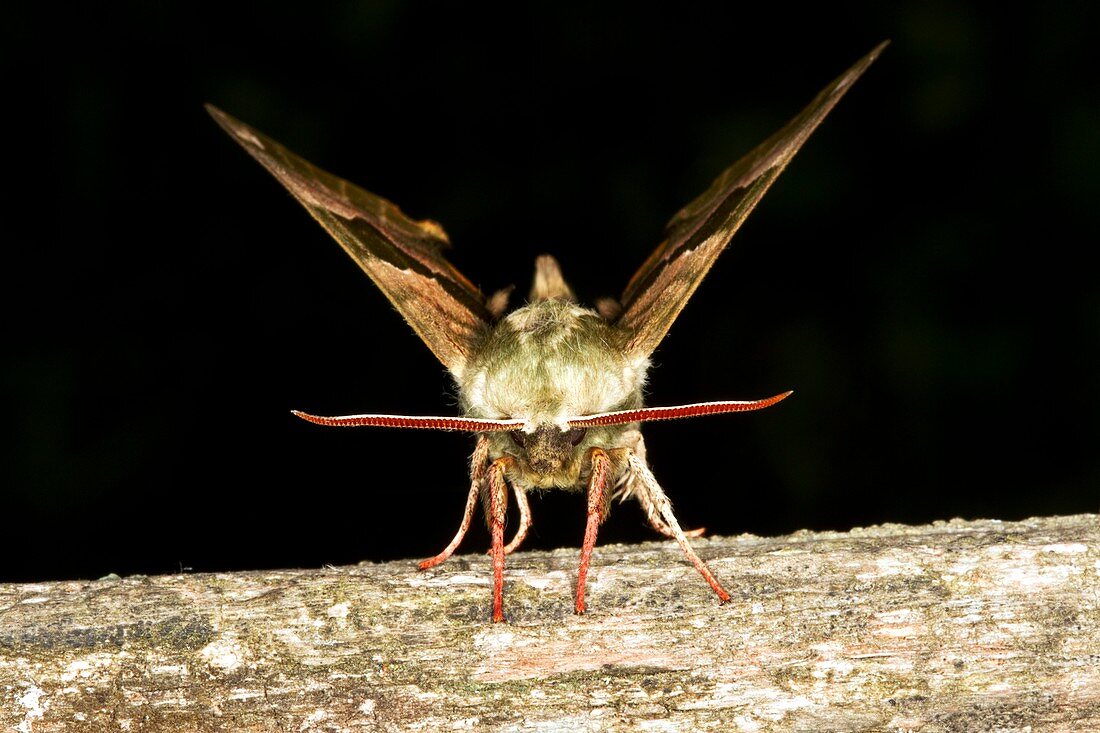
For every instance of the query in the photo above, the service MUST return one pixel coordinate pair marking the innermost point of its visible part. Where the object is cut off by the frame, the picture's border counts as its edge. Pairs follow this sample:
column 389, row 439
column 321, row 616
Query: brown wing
column 700, row 231
column 403, row 257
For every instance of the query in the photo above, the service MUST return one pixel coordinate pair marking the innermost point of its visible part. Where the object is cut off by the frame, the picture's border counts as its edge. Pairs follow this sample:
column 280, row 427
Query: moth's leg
column 648, row 484
column 599, row 498
column 653, row 514
column 477, row 476
column 498, row 512
column 524, row 520
column 629, row 488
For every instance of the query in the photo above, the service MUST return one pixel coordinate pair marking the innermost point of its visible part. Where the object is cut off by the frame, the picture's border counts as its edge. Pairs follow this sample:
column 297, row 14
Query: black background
column 922, row 275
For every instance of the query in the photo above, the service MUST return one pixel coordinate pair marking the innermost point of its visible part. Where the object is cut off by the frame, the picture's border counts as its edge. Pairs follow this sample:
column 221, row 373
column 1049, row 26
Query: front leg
column 598, row 498
column 498, row 512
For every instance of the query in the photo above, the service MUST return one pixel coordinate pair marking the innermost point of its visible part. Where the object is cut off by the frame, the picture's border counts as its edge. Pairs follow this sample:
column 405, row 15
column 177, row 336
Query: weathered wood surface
column 958, row 626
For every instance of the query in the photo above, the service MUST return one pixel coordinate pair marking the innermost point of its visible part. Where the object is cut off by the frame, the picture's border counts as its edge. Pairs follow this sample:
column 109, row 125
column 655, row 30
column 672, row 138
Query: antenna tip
column 307, row 417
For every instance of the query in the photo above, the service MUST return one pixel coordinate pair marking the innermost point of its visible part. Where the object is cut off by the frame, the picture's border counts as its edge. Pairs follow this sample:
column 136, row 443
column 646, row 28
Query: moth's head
column 547, row 449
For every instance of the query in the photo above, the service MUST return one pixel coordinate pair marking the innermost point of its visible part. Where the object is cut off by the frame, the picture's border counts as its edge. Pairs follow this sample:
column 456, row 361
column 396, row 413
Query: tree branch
column 955, row 626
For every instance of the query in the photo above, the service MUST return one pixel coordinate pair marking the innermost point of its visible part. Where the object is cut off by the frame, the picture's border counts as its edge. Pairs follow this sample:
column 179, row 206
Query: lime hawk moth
column 552, row 390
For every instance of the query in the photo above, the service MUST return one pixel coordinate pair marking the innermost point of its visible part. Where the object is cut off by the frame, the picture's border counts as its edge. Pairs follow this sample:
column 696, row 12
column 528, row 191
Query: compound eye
column 518, row 437
column 575, row 435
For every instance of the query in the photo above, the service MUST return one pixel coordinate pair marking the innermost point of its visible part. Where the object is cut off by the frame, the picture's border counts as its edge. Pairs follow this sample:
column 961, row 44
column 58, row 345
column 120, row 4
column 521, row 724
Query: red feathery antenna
column 469, row 424
column 489, row 425
column 644, row 414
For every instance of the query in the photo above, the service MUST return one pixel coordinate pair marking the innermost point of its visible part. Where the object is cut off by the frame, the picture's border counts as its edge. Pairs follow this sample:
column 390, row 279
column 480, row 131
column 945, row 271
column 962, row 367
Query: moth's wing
column 402, row 256
column 700, row 231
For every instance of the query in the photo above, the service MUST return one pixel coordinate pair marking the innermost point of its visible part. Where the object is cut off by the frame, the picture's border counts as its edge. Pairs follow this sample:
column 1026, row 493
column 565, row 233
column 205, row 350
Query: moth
column 552, row 390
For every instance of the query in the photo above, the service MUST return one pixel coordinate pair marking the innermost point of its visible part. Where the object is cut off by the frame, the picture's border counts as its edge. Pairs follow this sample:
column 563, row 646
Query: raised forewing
column 402, row 256
column 700, row 231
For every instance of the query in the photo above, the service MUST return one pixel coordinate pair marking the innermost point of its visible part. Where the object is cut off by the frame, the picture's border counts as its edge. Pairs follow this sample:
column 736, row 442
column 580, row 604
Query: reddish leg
column 477, row 475
column 498, row 510
column 524, row 521
column 597, row 510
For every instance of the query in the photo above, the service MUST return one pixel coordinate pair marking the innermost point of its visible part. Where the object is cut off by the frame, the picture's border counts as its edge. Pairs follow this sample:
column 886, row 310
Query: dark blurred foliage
column 922, row 275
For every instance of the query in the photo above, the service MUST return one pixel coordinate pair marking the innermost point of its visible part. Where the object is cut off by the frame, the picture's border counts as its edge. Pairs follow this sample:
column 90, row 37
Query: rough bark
column 957, row 626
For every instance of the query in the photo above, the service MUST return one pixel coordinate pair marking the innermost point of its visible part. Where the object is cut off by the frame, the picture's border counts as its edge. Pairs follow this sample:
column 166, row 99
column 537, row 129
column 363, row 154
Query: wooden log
column 956, row 626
